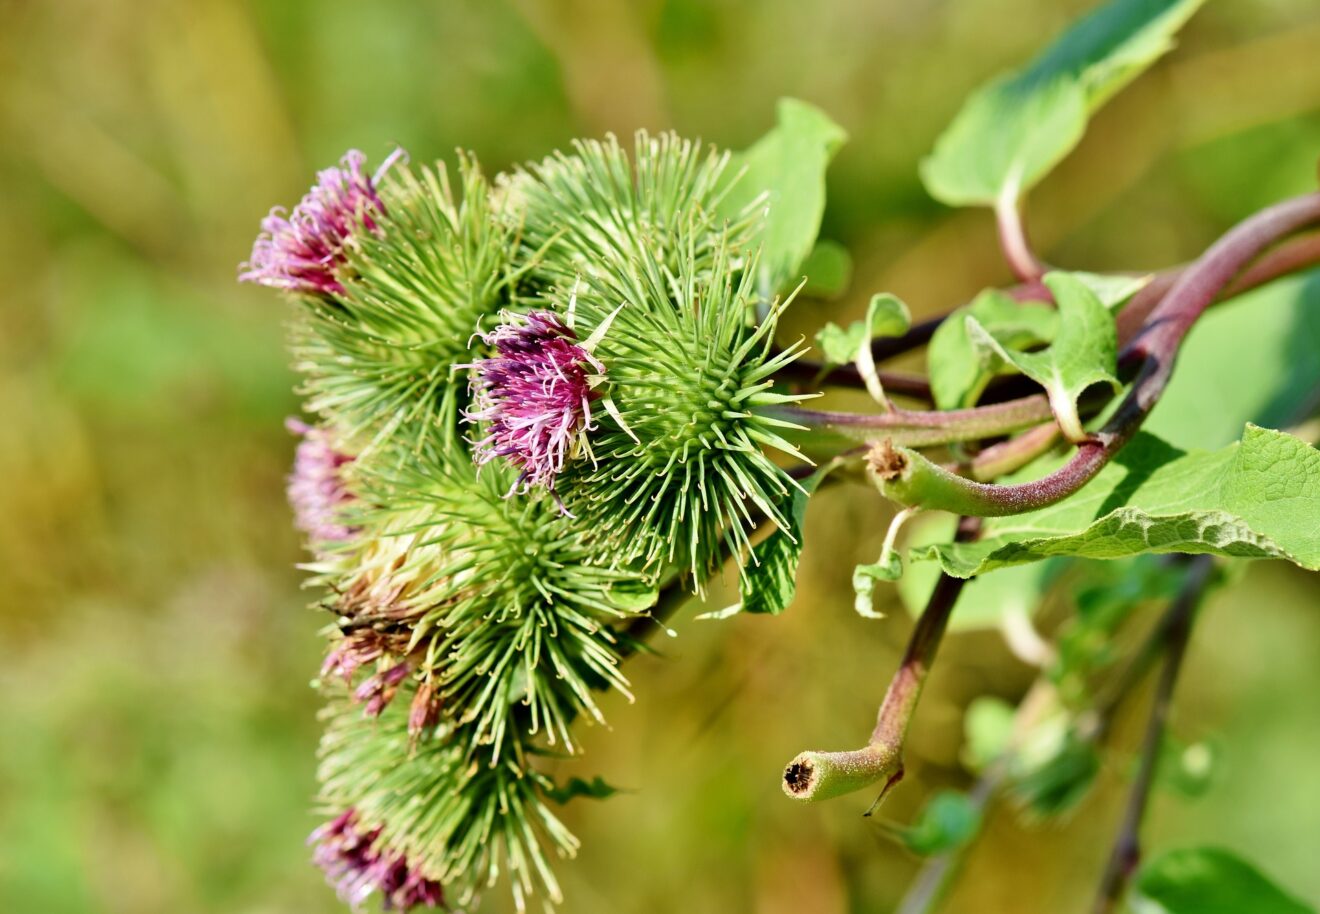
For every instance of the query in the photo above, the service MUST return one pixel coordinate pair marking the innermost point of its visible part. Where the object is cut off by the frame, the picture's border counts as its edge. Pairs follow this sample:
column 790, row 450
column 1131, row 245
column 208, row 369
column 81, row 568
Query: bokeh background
column 157, row 731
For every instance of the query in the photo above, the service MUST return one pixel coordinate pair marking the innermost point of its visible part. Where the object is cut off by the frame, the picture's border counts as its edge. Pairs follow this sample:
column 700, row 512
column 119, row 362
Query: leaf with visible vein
column 1259, row 498
column 1084, row 351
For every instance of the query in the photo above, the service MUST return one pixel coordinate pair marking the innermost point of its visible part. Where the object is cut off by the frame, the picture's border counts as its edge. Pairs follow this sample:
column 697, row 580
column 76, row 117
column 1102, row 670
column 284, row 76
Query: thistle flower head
column 317, row 491
column 357, row 863
column 304, row 251
column 535, row 397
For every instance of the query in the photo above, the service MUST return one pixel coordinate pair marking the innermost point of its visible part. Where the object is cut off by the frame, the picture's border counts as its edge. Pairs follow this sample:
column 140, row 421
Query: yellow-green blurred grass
column 156, row 731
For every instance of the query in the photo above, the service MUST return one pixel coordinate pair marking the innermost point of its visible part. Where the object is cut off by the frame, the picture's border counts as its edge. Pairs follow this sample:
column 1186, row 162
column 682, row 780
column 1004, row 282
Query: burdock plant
column 543, row 407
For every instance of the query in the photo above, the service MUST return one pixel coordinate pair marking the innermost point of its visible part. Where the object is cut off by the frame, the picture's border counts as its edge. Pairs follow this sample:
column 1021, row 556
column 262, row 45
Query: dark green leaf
column 1207, row 880
column 596, row 788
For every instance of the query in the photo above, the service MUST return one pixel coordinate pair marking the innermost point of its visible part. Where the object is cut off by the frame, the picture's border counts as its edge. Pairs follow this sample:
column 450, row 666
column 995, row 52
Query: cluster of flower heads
column 477, row 612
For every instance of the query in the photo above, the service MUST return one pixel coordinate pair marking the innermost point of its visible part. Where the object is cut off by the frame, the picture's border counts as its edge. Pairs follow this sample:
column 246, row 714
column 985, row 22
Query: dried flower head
column 535, row 395
column 316, row 488
column 303, row 251
column 356, row 864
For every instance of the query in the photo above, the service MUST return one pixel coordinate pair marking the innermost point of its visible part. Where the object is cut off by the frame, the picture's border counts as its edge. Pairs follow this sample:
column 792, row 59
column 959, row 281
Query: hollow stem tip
column 824, row 775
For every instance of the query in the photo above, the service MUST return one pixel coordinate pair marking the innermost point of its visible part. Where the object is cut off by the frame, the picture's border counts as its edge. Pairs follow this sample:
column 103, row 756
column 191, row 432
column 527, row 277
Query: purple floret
column 535, row 397
column 303, row 251
column 356, row 864
column 317, row 492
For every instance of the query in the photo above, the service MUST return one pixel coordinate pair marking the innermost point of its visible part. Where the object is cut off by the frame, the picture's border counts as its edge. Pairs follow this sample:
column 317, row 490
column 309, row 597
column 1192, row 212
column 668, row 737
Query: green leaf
column 1187, row 769
column 1113, row 290
column 1084, row 351
column 1207, row 880
column 864, row 578
column 1010, row 133
column 959, row 371
column 949, row 820
column 829, row 270
column 886, row 315
column 987, row 730
column 839, row 346
column 1256, row 499
column 787, row 165
column 596, row 788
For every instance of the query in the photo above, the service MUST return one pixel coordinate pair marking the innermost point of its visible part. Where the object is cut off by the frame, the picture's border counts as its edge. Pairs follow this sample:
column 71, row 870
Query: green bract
column 380, row 356
column 635, row 255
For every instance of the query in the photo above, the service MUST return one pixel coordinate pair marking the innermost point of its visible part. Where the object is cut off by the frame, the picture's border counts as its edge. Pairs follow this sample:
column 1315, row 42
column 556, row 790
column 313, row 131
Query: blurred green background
column 157, row 733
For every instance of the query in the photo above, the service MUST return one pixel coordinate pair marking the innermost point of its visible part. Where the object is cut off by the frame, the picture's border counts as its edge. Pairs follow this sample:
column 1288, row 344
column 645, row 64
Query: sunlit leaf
column 958, row 370
column 787, row 166
column 1255, row 499
column 1011, row 132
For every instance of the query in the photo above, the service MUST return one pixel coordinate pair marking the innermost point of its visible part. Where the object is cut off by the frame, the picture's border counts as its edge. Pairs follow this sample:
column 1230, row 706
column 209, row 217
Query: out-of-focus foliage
column 158, row 733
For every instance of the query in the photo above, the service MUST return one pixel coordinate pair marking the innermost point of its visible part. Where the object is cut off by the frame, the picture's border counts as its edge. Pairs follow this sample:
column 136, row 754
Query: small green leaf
column 959, row 371
column 948, row 820
column 839, row 346
column 829, row 270
column 1084, row 351
column 1207, row 880
column 987, row 729
column 1256, row 499
column 1010, row 133
column 864, row 578
column 596, row 788
column 886, row 315
column 787, row 165
column 1188, row 769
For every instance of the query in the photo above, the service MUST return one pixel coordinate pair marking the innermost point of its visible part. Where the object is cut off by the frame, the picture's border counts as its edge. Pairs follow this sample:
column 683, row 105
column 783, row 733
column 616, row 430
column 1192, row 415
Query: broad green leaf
column 959, row 371
column 948, row 820
column 787, row 166
column 988, row 599
column 1220, row 383
column 1010, row 133
column 596, row 788
column 1208, row 880
column 1084, row 350
column 1256, row 499
column 828, row 269
column 987, row 730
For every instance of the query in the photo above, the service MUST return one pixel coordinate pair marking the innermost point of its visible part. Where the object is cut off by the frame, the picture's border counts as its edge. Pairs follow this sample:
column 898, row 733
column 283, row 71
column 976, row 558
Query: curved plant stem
column 1013, row 237
column 821, row 775
column 1126, row 852
column 806, row 371
column 1151, row 356
column 923, row 428
column 1013, row 454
